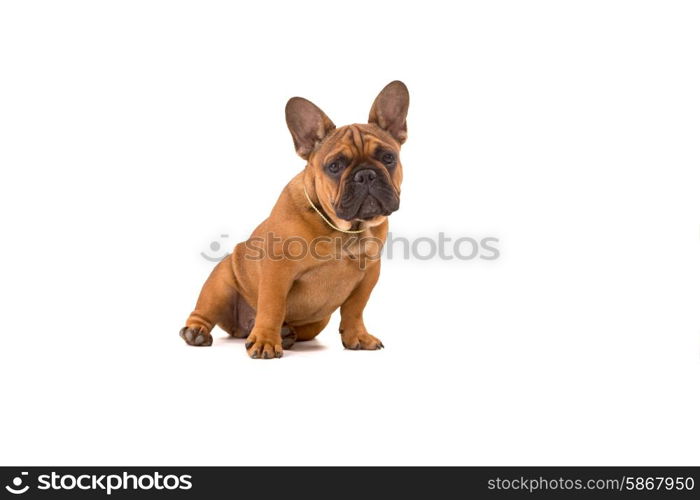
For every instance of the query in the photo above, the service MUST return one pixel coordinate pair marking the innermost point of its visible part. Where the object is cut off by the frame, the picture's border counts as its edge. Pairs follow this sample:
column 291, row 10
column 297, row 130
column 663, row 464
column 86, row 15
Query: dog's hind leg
column 302, row 333
column 216, row 304
column 239, row 319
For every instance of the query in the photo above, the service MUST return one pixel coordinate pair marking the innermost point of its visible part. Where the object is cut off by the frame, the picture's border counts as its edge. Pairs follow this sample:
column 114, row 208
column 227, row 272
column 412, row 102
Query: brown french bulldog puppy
column 319, row 248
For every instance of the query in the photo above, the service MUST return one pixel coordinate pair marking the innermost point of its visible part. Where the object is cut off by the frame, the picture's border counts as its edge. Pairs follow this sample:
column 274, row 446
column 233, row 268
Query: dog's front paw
column 196, row 336
column 361, row 341
column 263, row 345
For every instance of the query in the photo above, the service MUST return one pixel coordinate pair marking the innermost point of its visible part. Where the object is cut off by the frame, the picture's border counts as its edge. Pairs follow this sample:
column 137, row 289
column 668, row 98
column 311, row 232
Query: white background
column 134, row 133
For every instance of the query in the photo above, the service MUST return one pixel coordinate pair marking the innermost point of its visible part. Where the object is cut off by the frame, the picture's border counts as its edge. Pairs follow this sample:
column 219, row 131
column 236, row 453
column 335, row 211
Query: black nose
column 365, row 176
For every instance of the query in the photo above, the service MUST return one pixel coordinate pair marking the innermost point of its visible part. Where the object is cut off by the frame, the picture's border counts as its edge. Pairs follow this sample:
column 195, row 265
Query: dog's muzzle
column 367, row 193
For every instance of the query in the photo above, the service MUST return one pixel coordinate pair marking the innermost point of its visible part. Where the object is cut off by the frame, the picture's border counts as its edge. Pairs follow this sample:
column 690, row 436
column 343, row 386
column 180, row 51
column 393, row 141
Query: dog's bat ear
column 390, row 109
column 307, row 124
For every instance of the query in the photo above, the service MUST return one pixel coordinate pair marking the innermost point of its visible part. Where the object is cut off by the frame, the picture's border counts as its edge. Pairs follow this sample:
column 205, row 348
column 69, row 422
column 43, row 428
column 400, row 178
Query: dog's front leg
column 265, row 339
column 353, row 333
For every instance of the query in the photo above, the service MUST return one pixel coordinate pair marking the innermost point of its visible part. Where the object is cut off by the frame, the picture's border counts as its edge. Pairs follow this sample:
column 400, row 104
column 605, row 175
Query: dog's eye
column 335, row 167
column 388, row 159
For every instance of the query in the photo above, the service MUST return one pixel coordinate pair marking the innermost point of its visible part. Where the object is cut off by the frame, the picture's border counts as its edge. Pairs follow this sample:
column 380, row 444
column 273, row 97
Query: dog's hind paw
column 196, row 337
column 289, row 337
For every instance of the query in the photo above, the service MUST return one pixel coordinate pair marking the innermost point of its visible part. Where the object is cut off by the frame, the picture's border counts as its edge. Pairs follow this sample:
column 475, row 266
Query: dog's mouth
column 370, row 208
column 367, row 201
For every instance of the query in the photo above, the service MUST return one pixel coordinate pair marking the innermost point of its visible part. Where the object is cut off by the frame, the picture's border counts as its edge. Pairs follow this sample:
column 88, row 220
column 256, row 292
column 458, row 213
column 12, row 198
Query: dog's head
column 355, row 169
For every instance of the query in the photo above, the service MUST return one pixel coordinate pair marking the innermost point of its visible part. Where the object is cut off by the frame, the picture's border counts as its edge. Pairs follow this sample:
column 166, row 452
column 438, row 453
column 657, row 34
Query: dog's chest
column 322, row 289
